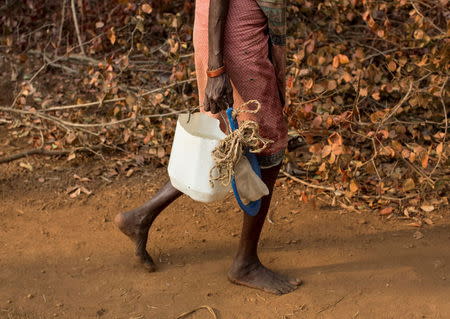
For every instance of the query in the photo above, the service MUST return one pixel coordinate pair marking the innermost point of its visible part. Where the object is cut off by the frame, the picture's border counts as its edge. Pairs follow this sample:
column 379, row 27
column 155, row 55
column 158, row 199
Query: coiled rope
column 229, row 151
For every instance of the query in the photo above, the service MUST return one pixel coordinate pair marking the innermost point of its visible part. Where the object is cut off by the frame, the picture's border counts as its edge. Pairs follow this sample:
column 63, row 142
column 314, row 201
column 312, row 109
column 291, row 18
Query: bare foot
column 255, row 275
column 132, row 226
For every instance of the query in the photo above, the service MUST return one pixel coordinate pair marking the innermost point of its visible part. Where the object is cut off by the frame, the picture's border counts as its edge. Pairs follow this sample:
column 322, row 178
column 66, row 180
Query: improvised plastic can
column 190, row 161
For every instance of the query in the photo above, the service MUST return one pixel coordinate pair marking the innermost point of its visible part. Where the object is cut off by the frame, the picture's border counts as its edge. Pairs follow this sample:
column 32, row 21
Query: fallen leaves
column 147, row 8
column 26, row 165
column 346, row 77
column 427, row 208
column 418, row 235
column 386, row 211
column 77, row 190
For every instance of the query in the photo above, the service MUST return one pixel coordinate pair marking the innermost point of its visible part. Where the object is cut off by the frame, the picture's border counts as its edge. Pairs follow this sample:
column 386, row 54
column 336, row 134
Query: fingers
column 215, row 104
column 214, row 108
column 219, row 94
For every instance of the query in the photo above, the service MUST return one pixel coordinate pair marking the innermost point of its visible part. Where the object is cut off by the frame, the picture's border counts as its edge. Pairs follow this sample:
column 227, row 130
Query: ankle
column 245, row 260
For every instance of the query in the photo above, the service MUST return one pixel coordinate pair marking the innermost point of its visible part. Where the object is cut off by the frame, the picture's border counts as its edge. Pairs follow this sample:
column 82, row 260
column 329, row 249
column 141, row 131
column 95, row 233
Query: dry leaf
column 76, row 193
column 317, row 122
column 326, row 151
column 71, row 137
column 392, row 66
column 415, row 224
column 331, row 85
column 161, row 152
column 427, row 208
column 315, row 148
column 130, row 172
column 111, row 34
column 418, row 235
column 343, row 59
column 419, row 34
column 336, row 62
column 146, row 8
column 353, row 186
column 85, row 190
column 439, row 148
column 318, row 88
column 409, row 185
column 425, row 161
column 386, row 211
column 28, row 166
column 130, row 100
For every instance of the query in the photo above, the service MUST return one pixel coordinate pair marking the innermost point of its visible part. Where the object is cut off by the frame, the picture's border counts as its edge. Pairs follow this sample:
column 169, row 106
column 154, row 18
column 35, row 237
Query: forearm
column 218, row 10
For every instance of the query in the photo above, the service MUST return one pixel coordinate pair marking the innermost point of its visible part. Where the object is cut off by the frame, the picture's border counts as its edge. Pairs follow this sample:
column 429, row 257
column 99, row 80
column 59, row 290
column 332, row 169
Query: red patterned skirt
column 246, row 56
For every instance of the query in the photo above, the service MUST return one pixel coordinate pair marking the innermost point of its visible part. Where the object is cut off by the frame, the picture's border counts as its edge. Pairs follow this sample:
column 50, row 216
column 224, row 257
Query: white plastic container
column 190, row 159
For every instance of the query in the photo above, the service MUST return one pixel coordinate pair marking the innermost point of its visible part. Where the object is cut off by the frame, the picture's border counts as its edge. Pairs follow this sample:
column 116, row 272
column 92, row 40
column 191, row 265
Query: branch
column 331, row 189
column 74, row 106
column 394, row 110
column 66, row 124
column 63, row 15
column 77, row 29
column 42, row 151
column 57, row 65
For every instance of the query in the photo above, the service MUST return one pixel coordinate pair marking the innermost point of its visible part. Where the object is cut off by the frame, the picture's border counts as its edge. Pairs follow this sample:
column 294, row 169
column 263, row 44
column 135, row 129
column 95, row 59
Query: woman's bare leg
column 247, row 269
column 136, row 223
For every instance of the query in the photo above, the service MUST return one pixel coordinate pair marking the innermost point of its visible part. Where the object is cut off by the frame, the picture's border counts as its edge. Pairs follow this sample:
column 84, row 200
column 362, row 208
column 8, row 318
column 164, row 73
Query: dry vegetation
column 367, row 87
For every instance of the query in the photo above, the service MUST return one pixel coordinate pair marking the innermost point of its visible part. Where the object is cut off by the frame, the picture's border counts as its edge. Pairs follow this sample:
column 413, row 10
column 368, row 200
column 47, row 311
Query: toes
column 118, row 220
column 149, row 266
column 285, row 287
column 266, row 280
column 272, row 290
column 146, row 261
column 295, row 281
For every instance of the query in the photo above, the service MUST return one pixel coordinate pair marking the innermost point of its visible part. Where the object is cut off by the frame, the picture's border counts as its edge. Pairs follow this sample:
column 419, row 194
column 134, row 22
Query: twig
column 71, row 124
column 83, row 58
column 394, row 110
column 419, row 171
column 77, row 29
column 67, row 124
column 332, row 305
column 57, row 65
column 38, row 29
column 54, row 119
column 185, row 314
column 63, row 17
column 331, row 189
column 320, row 97
column 66, row 107
column 399, row 199
column 385, row 52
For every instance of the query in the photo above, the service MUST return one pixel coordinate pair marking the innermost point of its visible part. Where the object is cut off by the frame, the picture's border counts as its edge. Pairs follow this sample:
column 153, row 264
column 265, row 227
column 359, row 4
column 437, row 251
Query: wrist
column 215, row 62
column 213, row 73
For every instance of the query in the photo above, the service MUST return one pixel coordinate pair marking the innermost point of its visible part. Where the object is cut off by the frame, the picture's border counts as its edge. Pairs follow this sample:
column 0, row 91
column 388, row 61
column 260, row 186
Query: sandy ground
column 63, row 257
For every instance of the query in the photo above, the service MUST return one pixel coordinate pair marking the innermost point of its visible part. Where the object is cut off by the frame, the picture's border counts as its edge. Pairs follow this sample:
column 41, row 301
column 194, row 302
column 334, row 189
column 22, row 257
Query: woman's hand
column 218, row 94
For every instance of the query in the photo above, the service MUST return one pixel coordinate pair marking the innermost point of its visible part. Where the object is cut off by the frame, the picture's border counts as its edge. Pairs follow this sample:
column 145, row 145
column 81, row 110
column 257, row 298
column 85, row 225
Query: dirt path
column 62, row 257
